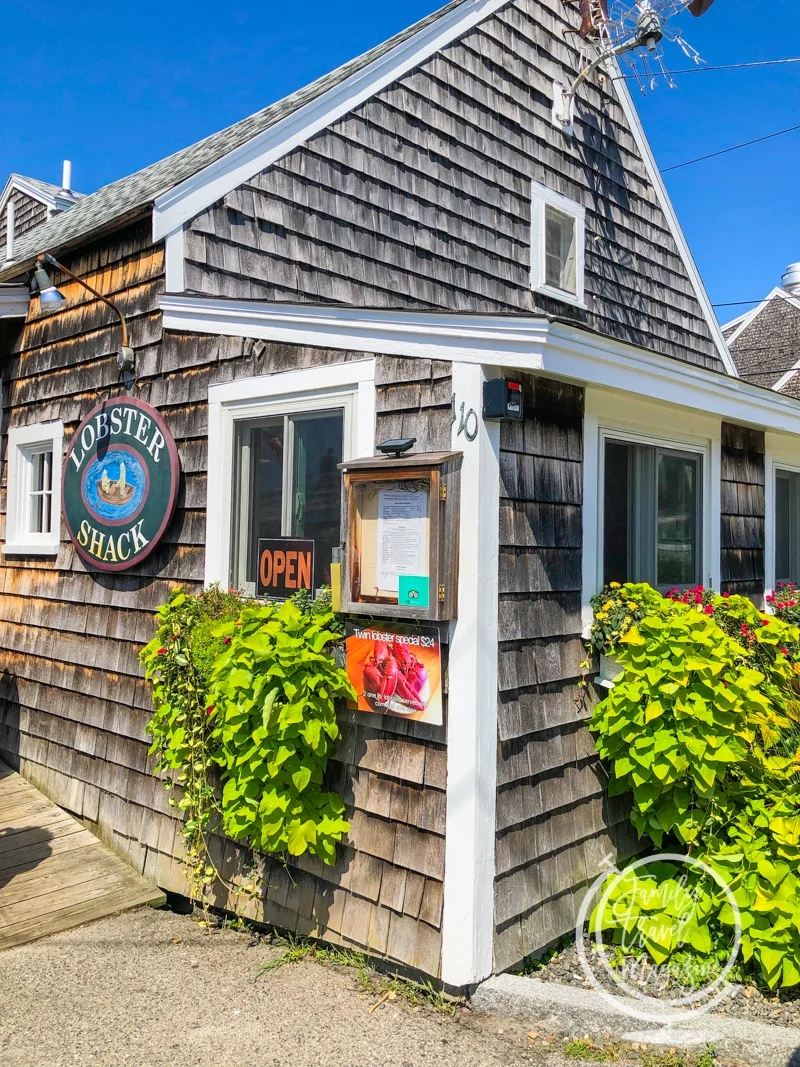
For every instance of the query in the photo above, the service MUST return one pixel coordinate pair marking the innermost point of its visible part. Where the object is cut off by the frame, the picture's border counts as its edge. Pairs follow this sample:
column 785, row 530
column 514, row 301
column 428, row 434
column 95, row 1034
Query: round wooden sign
column 120, row 484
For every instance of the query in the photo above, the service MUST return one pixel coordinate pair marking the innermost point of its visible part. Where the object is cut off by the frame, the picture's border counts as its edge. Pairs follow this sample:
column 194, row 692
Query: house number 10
column 467, row 422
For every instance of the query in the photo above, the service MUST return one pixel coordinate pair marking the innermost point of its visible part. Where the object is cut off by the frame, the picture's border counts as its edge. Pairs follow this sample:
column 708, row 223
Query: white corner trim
column 21, row 441
column 468, row 919
column 190, row 197
column 632, row 115
column 174, row 254
column 352, row 383
column 14, row 301
column 518, row 342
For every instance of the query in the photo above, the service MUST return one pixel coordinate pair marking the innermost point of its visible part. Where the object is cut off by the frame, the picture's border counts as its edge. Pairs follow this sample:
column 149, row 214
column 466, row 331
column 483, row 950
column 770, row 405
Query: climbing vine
column 244, row 724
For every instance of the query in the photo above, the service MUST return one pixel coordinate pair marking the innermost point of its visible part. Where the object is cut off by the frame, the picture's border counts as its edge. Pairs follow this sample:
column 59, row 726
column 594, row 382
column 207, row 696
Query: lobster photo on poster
column 396, row 670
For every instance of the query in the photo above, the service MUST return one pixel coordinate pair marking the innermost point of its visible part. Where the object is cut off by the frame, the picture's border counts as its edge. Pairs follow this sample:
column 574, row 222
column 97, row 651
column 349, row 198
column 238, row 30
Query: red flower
column 161, row 652
column 726, row 596
column 745, row 630
column 210, row 710
column 227, row 641
column 709, row 609
column 765, row 622
column 785, row 651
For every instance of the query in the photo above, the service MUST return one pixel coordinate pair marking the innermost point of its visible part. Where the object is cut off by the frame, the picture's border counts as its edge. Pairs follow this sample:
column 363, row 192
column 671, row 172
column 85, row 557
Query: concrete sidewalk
column 151, row 989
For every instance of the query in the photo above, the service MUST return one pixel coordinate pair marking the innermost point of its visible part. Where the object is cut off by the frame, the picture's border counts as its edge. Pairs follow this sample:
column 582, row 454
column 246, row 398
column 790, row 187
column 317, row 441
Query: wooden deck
column 54, row 873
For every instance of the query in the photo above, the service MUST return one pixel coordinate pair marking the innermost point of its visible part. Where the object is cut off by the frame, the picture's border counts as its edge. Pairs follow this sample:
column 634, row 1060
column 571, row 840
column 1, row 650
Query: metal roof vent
column 791, row 279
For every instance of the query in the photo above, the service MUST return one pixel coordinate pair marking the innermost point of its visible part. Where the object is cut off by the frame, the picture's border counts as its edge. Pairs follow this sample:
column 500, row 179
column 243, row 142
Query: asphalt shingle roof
column 128, row 196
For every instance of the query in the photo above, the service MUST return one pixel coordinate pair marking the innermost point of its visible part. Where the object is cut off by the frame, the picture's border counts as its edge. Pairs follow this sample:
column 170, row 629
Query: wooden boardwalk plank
column 55, row 874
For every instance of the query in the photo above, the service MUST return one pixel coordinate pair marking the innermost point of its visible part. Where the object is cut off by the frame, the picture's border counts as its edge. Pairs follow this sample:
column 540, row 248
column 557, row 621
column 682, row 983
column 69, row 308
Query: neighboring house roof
column 52, row 196
column 765, row 342
column 129, row 196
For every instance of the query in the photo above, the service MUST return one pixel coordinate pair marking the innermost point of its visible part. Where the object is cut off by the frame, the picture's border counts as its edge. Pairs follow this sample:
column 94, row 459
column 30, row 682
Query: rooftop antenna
column 634, row 31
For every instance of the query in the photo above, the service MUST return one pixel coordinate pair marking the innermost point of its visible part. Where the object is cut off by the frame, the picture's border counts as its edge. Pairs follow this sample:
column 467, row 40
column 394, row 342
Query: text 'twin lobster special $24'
column 120, row 484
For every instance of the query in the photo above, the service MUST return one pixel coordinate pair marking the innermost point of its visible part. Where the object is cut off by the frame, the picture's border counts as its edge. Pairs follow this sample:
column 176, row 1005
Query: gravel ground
column 782, row 1009
column 152, row 989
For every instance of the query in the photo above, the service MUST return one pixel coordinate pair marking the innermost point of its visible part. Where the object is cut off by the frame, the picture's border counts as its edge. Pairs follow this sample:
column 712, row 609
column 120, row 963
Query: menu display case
column 400, row 535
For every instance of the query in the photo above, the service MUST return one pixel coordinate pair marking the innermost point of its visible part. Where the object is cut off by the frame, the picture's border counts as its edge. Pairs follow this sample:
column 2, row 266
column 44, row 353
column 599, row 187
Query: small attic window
column 558, row 241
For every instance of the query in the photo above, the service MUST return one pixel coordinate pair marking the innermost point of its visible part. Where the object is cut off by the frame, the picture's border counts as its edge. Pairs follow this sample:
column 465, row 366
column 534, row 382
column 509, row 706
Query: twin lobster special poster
column 396, row 670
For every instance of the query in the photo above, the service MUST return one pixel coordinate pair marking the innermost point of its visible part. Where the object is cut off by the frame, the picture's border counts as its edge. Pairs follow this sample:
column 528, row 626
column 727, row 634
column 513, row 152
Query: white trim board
column 468, row 917
column 14, row 301
column 187, row 199
column 518, row 342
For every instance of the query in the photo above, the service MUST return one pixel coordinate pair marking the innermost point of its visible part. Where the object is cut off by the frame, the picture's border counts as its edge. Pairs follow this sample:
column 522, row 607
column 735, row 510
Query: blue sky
column 116, row 86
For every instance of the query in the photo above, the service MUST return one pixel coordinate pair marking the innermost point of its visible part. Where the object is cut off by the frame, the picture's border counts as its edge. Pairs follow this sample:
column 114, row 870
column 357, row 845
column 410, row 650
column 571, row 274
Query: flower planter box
column 609, row 672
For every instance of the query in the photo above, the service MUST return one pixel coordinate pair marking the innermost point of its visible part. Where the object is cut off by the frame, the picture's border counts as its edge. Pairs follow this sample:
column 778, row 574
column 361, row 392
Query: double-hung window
column 287, row 483
column 787, row 526
column 34, row 489
column 652, row 514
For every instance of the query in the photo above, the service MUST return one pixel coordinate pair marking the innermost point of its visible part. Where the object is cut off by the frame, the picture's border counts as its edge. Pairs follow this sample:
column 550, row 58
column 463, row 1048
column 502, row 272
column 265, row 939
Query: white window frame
column 781, row 454
column 350, row 386
column 541, row 199
column 23, row 443
column 675, row 429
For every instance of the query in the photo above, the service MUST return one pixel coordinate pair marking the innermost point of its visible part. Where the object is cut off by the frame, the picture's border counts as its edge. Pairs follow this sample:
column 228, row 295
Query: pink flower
column 709, row 609
column 785, row 651
column 161, row 652
column 227, row 641
column 726, row 596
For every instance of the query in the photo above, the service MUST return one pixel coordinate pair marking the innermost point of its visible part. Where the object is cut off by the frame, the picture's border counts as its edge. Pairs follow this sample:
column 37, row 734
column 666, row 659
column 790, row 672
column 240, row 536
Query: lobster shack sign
column 120, row 484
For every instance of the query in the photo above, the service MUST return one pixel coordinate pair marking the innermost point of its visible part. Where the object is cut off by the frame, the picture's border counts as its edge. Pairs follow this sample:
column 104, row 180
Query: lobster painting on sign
column 396, row 670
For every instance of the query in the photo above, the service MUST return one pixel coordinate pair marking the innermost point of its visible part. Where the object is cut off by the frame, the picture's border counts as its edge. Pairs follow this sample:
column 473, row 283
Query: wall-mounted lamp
column 52, row 300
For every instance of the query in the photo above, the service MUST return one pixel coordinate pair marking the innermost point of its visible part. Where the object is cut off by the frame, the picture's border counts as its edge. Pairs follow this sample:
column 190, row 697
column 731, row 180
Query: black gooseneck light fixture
column 50, row 300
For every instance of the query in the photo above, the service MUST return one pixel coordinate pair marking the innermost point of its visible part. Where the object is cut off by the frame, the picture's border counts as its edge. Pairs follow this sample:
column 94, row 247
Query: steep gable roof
column 130, row 196
column 185, row 184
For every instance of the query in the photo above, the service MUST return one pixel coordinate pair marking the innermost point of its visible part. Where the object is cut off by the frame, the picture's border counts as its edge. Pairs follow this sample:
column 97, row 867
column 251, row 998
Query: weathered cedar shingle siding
column 770, row 345
column 554, row 822
column 421, row 198
column 29, row 213
column 743, row 511
column 73, row 703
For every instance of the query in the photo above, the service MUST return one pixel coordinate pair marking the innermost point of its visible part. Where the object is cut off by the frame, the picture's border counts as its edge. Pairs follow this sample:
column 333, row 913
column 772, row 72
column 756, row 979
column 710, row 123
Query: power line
column 722, row 66
column 737, row 303
column 735, row 148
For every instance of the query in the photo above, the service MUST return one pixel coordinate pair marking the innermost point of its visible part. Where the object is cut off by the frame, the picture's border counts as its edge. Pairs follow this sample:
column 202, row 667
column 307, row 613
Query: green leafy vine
column 244, row 723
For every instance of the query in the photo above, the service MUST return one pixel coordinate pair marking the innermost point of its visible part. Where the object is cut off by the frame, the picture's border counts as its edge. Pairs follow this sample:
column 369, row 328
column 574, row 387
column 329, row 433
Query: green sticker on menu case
column 414, row 592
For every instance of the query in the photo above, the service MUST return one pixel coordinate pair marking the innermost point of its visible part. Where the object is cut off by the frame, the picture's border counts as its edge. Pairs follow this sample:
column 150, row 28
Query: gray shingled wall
column 420, row 199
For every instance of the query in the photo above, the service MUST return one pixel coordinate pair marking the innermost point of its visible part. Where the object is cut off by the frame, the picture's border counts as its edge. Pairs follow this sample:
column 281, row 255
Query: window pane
column 40, row 508
column 560, row 266
column 258, row 492
column 316, row 486
column 783, row 527
column 616, row 537
column 677, row 531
